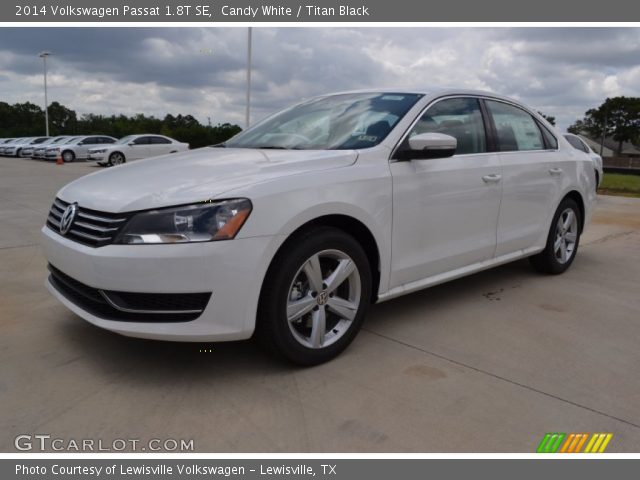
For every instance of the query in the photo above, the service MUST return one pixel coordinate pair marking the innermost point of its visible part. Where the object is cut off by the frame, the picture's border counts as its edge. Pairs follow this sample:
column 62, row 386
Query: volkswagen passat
column 579, row 144
column 295, row 226
column 135, row 147
column 38, row 151
column 77, row 148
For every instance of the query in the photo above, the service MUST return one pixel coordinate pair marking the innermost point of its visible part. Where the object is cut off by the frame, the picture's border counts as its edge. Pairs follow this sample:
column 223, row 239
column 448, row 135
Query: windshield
column 58, row 140
column 337, row 122
column 126, row 139
column 73, row 139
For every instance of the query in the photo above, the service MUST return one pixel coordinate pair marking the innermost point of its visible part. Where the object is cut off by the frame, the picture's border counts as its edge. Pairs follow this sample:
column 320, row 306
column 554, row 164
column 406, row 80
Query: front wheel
column 315, row 296
column 562, row 241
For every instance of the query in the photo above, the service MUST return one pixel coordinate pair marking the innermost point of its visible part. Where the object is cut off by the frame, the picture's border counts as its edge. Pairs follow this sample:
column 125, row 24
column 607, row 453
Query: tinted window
column 576, row 143
column 142, row 140
column 106, row 140
column 91, row 140
column 459, row 117
column 157, row 140
column 551, row 141
column 516, row 129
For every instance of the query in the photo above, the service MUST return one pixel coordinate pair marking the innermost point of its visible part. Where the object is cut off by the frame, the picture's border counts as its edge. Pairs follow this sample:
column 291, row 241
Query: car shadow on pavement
column 133, row 358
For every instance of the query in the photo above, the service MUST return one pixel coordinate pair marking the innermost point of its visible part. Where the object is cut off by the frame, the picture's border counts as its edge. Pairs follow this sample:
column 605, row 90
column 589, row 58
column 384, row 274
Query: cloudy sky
column 201, row 71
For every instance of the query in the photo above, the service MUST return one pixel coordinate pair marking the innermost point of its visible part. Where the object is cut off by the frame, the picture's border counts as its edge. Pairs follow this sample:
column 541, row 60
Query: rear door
column 160, row 146
column 531, row 176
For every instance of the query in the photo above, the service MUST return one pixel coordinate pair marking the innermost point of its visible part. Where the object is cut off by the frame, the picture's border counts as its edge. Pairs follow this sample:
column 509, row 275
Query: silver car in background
column 39, row 150
column 77, row 148
column 11, row 143
column 14, row 149
column 579, row 144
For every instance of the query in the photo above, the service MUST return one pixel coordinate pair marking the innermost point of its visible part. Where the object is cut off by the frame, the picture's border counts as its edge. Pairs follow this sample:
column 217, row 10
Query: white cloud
column 561, row 71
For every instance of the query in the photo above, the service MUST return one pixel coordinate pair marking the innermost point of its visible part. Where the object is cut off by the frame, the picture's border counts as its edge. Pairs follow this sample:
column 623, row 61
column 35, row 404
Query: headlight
column 202, row 222
column 101, row 150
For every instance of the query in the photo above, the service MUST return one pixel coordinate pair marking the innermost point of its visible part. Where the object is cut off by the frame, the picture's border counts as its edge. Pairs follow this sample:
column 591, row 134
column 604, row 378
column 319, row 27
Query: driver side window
column 460, row 118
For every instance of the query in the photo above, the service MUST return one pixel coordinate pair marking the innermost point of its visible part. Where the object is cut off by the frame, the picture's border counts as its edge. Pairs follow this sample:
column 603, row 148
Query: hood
column 193, row 176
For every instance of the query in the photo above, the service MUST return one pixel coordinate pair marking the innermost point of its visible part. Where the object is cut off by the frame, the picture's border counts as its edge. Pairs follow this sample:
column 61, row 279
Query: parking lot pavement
column 488, row 363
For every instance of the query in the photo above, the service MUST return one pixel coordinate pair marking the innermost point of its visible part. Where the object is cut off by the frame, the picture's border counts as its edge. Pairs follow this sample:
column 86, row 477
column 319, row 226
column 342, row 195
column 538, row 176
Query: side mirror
column 429, row 145
column 131, row 144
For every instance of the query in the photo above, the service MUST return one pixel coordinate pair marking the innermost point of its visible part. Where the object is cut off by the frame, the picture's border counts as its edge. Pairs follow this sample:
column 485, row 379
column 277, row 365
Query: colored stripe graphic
column 598, row 443
column 551, row 442
column 573, row 443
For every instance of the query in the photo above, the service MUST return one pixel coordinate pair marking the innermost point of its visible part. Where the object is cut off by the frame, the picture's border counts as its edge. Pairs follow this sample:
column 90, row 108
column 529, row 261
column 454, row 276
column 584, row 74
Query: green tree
column 617, row 117
column 62, row 120
column 27, row 119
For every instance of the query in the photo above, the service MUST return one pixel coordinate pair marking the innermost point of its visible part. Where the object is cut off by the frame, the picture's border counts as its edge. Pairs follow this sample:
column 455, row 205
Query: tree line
column 617, row 118
column 27, row 120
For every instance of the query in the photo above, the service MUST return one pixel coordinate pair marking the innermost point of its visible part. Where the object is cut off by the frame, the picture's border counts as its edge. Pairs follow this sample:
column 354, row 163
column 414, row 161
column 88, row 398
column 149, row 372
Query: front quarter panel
column 361, row 191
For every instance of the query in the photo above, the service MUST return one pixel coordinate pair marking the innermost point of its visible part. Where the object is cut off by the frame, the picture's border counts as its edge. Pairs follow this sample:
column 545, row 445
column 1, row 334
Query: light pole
column 43, row 55
column 248, row 107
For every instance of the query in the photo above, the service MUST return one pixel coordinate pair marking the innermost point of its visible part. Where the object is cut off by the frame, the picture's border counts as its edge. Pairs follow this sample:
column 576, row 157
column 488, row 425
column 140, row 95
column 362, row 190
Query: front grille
column 130, row 306
column 89, row 227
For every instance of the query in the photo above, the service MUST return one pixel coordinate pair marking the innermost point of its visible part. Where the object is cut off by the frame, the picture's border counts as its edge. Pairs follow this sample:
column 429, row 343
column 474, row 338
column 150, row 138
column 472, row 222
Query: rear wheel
column 116, row 158
column 315, row 296
column 562, row 241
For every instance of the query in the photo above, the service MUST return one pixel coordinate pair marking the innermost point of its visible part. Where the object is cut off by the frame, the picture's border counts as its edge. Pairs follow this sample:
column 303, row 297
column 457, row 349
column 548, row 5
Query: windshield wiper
column 219, row 145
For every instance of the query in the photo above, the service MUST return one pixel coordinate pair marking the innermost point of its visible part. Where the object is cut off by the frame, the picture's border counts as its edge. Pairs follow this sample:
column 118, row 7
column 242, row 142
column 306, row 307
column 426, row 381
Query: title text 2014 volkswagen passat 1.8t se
column 293, row 227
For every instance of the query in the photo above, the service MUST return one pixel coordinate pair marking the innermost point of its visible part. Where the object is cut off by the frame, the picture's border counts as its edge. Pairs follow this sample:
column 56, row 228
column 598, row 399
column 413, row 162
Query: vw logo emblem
column 67, row 218
column 323, row 297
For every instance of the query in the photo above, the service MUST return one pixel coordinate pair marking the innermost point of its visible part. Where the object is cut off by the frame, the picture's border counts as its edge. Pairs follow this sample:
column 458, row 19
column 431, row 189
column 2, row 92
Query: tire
column 68, row 156
column 116, row 158
column 562, row 241
column 292, row 307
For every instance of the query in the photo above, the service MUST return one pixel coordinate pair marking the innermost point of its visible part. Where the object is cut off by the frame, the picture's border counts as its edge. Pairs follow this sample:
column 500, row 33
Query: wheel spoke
column 571, row 237
column 343, row 308
column 314, row 273
column 340, row 274
column 557, row 244
column 563, row 251
column 300, row 307
column 569, row 220
column 318, row 327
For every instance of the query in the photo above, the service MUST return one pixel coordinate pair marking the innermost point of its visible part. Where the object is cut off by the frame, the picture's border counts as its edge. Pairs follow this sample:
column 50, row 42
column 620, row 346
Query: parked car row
column 104, row 149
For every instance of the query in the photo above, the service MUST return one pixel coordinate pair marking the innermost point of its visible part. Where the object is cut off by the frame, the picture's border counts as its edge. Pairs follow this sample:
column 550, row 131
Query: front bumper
column 95, row 157
column 231, row 270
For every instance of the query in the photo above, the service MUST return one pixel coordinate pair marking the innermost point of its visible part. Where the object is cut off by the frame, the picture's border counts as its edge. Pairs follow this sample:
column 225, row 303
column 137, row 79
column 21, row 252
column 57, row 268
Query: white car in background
column 136, row 147
column 579, row 144
column 15, row 149
column 77, row 148
column 10, row 143
column 38, row 151
column 292, row 228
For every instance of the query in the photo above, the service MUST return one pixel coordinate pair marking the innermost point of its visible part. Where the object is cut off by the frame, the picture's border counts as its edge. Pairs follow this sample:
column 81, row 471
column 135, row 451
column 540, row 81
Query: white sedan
column 291, row 229
column 579, row 144
column 135, row 147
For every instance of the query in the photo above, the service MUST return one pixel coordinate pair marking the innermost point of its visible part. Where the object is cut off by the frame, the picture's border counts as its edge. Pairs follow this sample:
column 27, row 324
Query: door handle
column 493, row 178
column 555, row 171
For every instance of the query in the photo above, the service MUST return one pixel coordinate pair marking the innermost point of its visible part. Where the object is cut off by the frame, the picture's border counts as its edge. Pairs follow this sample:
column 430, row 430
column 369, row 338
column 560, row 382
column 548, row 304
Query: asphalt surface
column 488, row 363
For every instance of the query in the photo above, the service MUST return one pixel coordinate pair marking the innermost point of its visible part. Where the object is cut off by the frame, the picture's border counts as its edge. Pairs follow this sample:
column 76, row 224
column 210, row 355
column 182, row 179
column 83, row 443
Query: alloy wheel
column 323, row 299
column 566, row 236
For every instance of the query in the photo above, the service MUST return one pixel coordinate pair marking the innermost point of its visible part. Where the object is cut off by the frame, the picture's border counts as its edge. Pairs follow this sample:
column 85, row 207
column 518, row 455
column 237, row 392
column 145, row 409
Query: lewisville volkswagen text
column 292, row 228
